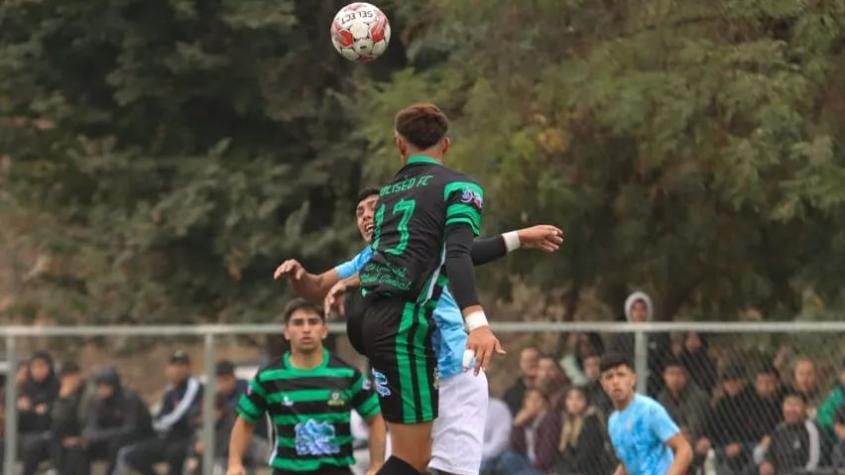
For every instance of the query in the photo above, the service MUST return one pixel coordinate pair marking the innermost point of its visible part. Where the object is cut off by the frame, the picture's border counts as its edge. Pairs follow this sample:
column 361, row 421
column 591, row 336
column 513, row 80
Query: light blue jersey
column 639, row 435
column 449, row 340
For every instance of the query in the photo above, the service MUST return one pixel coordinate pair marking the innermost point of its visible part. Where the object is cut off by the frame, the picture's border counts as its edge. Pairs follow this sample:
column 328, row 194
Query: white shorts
column 458, row 431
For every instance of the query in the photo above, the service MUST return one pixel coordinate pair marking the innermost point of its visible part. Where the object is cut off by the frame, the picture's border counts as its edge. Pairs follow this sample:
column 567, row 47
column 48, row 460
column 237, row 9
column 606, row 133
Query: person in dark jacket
column 34, row 406
column 582, row 447
column 69, row 414
column 596, row 396
column 529, row 364
column 730, row 431
column 766, row 402
column 796, row 443
column 639, row 309
column 175, row 424
column 534, row 438
column 696, row 357
column 117, row 419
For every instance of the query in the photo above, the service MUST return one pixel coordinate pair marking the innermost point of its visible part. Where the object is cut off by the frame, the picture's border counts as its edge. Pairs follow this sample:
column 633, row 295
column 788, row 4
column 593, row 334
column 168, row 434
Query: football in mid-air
column 360, row 32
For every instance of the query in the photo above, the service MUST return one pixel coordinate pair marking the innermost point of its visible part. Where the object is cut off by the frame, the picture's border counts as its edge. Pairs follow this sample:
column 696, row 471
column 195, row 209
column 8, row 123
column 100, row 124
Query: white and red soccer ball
column 360, row 32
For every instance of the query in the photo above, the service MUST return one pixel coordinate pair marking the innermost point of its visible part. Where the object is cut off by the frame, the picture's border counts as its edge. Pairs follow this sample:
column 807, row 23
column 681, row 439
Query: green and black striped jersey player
column 309, row 397
column 425, row 223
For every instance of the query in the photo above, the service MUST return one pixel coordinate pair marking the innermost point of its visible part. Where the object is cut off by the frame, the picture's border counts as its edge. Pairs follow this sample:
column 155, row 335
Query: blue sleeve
column 661, row 424
column 353, row 266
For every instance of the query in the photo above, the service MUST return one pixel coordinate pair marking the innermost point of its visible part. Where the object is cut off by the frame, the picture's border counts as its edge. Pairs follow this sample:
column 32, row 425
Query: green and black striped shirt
column 310, row 409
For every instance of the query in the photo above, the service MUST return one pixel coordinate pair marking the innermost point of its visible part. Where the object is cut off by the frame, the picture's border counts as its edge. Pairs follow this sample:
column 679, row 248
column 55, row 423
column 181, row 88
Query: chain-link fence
column 750, row 397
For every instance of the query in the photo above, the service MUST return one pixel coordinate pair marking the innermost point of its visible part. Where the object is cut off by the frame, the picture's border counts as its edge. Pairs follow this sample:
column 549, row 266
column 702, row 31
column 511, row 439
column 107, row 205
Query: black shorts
column 397, row 339
column 355, row 321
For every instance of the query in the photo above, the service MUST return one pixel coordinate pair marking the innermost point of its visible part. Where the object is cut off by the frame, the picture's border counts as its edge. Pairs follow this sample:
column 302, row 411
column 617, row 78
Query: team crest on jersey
column 471, row 197
column 336, row 399
column 286, row 401
column 381, row 384
column 315, row 438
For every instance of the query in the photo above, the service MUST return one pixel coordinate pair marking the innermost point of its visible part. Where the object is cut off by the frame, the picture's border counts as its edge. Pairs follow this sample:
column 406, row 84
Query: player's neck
column 431, row 154
column 622, row 405
column 302, row 360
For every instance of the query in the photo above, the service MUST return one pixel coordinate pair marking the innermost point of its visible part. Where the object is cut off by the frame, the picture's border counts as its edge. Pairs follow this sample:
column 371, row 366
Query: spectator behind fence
column 70, row 411
column 805, row 380
column 582, row 448
column 729, row 430
column 529, row 359
column 35, row 403
column 229, row 392
column 534, row 437
column 696, row 357
column 175, row 424
column 831, row 405
column 118, row 418
column 796, row 443
column 688, row 405
column 552, row 380
column 766, row 402
column 595, row 394
column 497, row 433
column 582, row 345
column 838, row 457
column 639, row 309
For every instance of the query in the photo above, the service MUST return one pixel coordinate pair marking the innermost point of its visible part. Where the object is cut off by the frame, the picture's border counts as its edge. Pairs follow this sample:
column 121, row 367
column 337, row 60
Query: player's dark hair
column 613, row 360
column 302, row 304
column 422, row 124
column 367, row 192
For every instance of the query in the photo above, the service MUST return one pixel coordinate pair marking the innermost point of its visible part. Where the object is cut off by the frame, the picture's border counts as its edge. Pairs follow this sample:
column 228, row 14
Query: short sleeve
column 253, row 404
column 661, row 424
column 354, row 265
column 364, row 399
column 464, row 203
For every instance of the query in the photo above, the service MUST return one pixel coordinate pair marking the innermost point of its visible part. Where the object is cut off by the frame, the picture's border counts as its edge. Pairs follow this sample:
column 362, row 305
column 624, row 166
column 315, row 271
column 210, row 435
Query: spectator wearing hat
column 832, row 404
column 730, row 429
column 796, row 443
column 118, row 418
column 175, row 423
column 70, row 411
column 35, row 405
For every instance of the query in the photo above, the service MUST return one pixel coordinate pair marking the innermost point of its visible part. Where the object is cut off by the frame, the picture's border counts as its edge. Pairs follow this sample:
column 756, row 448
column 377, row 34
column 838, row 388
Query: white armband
column 512, row 241
column 476, row 320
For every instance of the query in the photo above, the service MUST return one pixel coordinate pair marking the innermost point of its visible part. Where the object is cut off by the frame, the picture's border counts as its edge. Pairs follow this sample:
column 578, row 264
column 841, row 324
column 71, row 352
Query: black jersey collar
column 422, row 159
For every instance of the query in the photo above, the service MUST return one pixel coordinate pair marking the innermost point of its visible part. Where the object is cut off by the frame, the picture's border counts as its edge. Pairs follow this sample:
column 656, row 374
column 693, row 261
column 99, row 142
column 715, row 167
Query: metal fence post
column 11, row 413
column 641, row 360
column 208, row 412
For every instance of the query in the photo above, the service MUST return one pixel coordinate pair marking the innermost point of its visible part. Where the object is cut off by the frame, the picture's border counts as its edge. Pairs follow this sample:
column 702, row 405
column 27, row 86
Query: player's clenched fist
column 290, row 269
column 483, row 344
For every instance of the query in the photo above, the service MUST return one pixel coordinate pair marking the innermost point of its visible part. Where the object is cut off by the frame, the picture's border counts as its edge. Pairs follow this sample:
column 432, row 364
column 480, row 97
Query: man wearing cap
column 175, row 424
column 309, row 394
column 118, row 419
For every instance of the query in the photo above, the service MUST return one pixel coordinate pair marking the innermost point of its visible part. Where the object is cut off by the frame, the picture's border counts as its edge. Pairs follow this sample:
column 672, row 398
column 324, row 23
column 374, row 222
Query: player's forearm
column 239, row 441
column 314, row 287
column 378, row 440
column 683, row 458
column 459, row 266
column 486, row 250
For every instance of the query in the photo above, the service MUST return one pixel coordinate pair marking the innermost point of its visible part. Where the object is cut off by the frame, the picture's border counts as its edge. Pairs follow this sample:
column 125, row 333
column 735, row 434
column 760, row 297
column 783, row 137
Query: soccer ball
column 360, row 32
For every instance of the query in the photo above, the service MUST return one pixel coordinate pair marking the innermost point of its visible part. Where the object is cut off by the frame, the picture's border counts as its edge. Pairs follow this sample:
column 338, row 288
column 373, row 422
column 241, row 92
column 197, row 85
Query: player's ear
column 400, row 144
column 447, row 142
column 286, row 333
column 324, row 330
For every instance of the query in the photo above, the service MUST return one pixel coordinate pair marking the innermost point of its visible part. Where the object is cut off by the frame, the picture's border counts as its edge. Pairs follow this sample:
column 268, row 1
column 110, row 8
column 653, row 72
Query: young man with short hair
column 309, row 394
column 641, row 431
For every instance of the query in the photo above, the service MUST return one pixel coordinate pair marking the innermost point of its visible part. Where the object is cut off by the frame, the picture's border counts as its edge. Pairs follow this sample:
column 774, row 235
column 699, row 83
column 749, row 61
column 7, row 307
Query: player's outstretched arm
column 334, row 297
column 378, row 441
column 238, row 443
column 683, row 455
column 543, row 237
column 312, row 287
column 481, row 341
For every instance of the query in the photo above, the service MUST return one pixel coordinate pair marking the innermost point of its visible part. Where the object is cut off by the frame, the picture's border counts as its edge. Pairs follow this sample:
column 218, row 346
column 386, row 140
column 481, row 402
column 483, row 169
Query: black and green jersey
column 310, row 410
column 410, row 223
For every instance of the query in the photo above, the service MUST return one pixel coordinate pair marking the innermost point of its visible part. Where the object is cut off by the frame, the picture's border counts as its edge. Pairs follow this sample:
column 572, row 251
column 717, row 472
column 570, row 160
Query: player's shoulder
column 649, row 405
column 448, row 175
column 341, row 366
column 274, row 364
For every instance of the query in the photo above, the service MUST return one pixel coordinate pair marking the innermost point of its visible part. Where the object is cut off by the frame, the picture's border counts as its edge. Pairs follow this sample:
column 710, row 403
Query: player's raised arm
column 312, row 287
column 543, row 237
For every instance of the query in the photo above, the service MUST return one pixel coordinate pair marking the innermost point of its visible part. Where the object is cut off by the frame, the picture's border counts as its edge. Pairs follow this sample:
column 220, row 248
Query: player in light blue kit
column 643, row 435
column 457, row 434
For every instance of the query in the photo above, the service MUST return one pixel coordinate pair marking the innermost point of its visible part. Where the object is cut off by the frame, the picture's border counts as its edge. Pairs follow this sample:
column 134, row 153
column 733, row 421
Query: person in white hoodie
column 639, row 309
